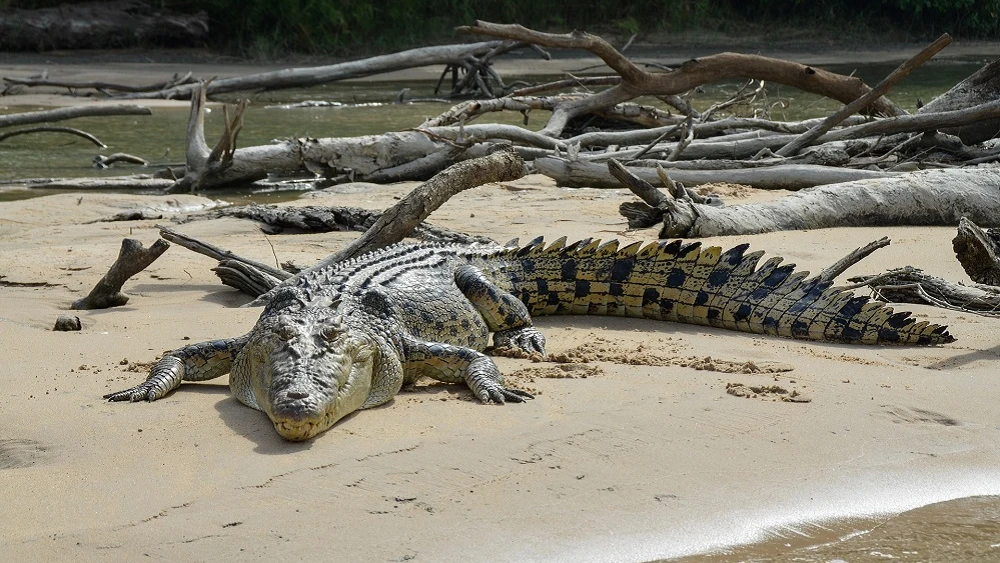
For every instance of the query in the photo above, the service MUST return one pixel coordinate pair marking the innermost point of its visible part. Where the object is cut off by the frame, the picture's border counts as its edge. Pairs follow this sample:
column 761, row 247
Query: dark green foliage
column 265, row 28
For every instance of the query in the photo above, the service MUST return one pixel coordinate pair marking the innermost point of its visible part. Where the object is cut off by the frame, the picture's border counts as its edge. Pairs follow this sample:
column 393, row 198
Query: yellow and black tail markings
column 678, row 281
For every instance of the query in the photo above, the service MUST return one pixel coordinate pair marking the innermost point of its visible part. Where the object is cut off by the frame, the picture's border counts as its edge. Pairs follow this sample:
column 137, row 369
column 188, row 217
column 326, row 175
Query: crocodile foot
column 527, row 339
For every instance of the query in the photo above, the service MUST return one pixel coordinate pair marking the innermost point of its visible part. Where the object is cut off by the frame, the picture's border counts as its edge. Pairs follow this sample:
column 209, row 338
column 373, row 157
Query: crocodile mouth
column 299, row 430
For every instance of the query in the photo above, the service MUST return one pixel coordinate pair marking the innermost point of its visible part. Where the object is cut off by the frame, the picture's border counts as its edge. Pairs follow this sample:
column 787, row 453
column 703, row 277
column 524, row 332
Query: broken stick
column 132, row 259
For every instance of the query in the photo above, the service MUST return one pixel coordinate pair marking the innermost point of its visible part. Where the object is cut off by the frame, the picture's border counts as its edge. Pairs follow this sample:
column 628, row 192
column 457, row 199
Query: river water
column 368, row 109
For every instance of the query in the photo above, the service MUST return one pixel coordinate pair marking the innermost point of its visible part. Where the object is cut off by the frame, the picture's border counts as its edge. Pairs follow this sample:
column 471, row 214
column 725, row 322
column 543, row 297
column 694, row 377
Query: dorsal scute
column 649, row 251
column 532, row 247
column 630, row 251
column 556, row 245
column 609, row 248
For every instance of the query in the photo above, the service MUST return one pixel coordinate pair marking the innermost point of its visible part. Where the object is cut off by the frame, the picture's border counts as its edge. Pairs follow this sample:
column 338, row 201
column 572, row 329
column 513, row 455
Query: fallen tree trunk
column 929, row 197
column 313, row 76
column 580, row 174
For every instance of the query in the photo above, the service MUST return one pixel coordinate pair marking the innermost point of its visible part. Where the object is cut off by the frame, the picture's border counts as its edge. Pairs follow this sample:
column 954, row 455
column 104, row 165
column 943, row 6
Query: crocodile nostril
column 297, row 395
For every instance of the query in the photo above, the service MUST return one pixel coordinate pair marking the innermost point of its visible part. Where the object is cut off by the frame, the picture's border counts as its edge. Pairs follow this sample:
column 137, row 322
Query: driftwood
column 911, row 285
column 53, row 129
column 60, row 114
column 637, row 82
column 457, row 55
column 980, row 88
column 132, row 259
column 101, row 161
column 865, row 100
column 787, row 177
column 96, row 25
column 104, row 87
column 399, row 220
column 931, row 197
column 389, row 227
column 978, row 250
column 320, row 219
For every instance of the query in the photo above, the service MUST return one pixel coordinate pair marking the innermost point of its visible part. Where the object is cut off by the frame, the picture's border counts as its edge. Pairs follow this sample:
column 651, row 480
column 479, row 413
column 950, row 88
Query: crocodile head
column 309, row 370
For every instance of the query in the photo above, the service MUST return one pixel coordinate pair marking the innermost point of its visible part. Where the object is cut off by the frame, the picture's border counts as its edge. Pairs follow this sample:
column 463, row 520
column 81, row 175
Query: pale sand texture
column 632, row 463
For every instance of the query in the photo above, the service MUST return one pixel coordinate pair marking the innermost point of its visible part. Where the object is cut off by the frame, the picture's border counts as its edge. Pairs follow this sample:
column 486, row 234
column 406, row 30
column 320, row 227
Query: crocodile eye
column 285, row 332
column 330, row 332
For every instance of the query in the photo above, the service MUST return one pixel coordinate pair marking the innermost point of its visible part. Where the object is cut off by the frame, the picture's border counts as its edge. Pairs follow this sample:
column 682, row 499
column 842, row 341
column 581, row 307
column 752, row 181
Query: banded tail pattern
column 683, row 282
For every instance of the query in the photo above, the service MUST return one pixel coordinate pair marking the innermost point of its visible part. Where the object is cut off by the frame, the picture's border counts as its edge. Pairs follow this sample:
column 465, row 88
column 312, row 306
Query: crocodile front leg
column 505, row 315
column 195, row 362
column 457, row 364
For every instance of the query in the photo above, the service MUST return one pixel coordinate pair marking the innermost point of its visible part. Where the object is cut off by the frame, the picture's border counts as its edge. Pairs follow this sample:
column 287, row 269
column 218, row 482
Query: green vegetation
column 265, row 28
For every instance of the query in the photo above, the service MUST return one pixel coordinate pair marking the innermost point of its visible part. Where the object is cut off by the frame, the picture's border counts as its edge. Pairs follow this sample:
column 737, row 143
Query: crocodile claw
column 527, row 339
column 141, row 392
column 500, row 395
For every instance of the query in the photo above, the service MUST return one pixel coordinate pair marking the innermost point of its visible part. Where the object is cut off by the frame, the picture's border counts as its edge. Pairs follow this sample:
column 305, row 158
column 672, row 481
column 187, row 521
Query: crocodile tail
column 683, row 282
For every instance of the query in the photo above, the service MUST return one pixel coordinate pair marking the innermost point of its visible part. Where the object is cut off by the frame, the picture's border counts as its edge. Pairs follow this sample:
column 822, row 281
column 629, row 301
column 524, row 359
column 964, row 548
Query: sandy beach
column 639, row 454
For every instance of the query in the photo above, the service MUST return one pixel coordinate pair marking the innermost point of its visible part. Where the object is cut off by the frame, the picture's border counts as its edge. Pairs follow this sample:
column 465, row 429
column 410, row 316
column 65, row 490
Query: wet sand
column 651, row 449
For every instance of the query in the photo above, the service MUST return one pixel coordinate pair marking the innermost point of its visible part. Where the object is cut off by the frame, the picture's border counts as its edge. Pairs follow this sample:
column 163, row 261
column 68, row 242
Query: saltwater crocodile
column 347, row 337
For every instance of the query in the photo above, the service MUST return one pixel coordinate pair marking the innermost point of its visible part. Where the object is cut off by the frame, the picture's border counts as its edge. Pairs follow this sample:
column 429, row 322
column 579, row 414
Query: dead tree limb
column 216, row 253
column 858, row 254
column 910, row 285
column 103, row 87
column 637, row 82
column 322, row 219
column 313, row 76
column 60, row 114
column 54, row 129
column 132, row 259
column 866, row 99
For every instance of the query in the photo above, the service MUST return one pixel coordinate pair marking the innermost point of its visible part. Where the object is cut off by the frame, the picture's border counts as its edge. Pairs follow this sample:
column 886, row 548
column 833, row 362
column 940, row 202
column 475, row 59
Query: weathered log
column 980, row 88
column 637, row 82
column 581, row 173
column 132, row 259
column 97, row 25
column 60, row 114
column 831, row 272
column 131, row 182
column 929, row 197
column 978, row 250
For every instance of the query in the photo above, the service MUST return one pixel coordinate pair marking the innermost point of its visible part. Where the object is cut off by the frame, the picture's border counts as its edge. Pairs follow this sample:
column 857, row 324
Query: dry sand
column 612, row 461
column 664, row 455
